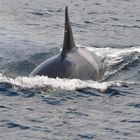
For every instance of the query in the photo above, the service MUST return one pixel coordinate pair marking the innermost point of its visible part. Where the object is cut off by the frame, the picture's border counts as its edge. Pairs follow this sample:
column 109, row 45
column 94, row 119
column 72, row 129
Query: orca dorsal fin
column 68, row 43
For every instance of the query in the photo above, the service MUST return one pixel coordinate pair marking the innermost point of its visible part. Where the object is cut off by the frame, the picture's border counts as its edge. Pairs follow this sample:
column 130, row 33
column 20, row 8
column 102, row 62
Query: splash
column 116, row 58
column 58, row 83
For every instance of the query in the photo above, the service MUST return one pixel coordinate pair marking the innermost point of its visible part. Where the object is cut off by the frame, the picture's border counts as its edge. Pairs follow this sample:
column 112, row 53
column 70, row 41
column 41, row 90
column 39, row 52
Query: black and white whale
column 73, row 62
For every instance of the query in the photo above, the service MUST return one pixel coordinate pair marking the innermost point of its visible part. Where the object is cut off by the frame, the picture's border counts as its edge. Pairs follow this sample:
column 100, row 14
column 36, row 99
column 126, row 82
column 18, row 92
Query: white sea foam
column 58, row 83
column 112, row 52
column 114, row 56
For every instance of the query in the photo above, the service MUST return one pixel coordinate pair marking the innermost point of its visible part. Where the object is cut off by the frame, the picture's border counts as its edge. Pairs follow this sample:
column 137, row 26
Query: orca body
column 72, row 62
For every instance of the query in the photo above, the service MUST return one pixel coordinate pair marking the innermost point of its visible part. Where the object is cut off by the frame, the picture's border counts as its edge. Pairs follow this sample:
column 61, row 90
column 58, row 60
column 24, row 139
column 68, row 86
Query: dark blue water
column 54, row 109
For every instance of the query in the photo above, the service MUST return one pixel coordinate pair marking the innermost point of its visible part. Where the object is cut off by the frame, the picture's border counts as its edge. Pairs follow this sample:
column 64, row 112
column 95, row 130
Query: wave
column 40, row 82
column 116, row 59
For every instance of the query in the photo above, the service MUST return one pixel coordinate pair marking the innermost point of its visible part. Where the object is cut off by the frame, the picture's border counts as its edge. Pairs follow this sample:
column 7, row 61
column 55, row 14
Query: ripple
column 59, row 10
column 115, row 19
column 89, row 92
column 96, row 3
column 6, row 90
column 5, row 86
column 4, row 107
column 37, row 13
column 113, row 92
column 135, row 121
column 4, row 120
column 136, row 26
column 75, row 112
column 138, row 20
column 35, row 121
column 52, row 101
column 21, row 67
column 86, row 136
column 117, row 131
column 88, row 22
column 33, row 24
column 40, row 13
column 136, row 105
column 30, row 109
column 11, row 93
column 15, row 125
column 29, row 95
column 37, row 58
column 43, row 129
column 92, row 13
column 122, row 26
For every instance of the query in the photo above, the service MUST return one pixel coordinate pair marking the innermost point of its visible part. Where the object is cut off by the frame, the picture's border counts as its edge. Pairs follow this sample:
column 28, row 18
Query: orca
column 73, row 62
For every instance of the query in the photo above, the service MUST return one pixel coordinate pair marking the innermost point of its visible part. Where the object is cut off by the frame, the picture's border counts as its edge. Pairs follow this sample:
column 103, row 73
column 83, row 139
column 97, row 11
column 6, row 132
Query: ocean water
column 42, row 108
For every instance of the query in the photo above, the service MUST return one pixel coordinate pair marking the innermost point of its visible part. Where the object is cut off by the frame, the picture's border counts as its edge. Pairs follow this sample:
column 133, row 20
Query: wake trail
column 115, row 59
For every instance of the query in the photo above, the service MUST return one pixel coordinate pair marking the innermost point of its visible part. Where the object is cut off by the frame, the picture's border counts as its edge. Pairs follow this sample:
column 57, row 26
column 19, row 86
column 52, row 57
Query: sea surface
column 42, row 108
